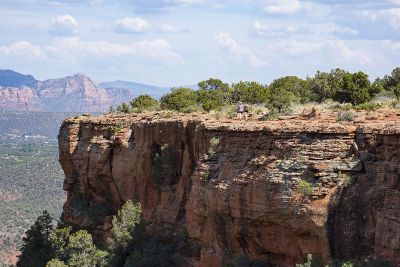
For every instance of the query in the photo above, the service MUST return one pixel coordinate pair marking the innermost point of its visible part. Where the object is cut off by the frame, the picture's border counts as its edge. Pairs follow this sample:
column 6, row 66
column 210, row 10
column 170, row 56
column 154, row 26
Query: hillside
column 10, row 78
column 30, row 175
column 30, row 182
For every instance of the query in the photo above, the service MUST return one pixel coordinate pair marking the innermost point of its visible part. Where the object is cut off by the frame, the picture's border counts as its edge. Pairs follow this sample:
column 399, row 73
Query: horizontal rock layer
column 239, row 189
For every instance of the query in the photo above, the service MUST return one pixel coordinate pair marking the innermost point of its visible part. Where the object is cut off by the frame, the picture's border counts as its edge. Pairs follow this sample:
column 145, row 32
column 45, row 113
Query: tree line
column 212, row 94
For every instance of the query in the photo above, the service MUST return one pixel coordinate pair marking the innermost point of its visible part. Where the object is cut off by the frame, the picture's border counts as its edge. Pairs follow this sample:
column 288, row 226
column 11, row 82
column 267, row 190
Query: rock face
column 73, row 93
column 275, row 191
column 76, row 93
column 19, row 99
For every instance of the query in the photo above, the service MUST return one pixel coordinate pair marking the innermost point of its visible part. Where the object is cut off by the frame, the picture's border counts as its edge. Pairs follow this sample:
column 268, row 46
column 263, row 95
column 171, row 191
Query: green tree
column 82, row 252
column 280, row 100
column 251, row 92
column 124, row 108
column 112, row 110
column 179, row 99
column 354, row 88
column 320, row 87
column 36, row 248
column 396, row 91
column 56, row 263
column 123, row 231
column 393, row 80
column 297, row 87
column 143, row 102
column 213, row 84
column 211, row 99
column 59, row 242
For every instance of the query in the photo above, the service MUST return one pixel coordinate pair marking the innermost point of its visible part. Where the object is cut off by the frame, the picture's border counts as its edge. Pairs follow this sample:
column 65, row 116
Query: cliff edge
column 274, row 190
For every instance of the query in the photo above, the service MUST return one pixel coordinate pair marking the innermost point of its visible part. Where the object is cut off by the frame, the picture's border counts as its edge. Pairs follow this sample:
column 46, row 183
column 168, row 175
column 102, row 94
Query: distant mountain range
column 76, row 93
column 10, row 78
column 137, row 88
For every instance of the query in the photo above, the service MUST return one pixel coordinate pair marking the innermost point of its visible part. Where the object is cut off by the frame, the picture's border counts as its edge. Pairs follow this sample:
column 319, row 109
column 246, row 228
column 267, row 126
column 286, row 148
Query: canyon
column 236, row 187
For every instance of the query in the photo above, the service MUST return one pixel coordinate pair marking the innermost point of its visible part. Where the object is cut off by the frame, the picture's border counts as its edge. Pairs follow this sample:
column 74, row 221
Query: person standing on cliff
column 240, row 108
column 246, row 111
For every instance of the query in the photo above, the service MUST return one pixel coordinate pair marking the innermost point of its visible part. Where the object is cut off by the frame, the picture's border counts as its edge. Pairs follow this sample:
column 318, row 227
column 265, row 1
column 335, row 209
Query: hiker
column 240, row 108
column 246, row 111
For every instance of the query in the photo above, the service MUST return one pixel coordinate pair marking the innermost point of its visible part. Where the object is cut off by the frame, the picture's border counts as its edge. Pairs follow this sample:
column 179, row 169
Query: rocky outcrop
column 274, row 191
column 76, row 93
column 73, row 93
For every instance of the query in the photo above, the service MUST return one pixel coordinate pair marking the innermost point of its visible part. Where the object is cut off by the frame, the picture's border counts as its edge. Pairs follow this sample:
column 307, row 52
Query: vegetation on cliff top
column 278, row 97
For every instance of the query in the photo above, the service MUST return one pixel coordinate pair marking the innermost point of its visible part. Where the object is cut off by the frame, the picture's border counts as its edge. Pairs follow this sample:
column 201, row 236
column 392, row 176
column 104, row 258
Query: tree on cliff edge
column 36, row 248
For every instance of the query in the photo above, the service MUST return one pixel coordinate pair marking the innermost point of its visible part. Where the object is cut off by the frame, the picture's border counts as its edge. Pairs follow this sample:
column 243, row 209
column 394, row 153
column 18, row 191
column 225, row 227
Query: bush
column 179, row 99
column 214, row 142
column 144, row 102
column 355, row 89
column 345, row 116
column 368, row 106
column 124, row 108
column 305, row 188
column 280, row 100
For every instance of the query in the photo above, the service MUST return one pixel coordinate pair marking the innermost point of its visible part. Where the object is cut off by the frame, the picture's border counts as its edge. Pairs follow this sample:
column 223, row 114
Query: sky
column 181, row 42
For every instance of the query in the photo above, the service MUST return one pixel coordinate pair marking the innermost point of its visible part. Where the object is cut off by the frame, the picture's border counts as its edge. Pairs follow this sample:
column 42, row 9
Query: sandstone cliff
column 76, row 93
column 235, row 187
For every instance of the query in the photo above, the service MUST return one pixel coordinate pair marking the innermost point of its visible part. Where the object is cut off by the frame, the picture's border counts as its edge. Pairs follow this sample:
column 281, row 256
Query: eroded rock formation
column 238, row 188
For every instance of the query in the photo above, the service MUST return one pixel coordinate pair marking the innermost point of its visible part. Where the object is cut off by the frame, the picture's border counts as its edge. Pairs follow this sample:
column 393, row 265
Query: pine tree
column 36, row 248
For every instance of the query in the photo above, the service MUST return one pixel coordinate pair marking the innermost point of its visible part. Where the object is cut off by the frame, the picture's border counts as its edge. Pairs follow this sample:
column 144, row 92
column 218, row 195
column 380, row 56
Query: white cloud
column 132, row 25
column 391, row 16
column 167, row 28
column 294, row 47
column 329, row 28
column 63, row 25
column 72, row 49
column 23, row 49
column 286, row 7
column 240, row 52
column 282, row 6
column 395, row 2
column 346, row 55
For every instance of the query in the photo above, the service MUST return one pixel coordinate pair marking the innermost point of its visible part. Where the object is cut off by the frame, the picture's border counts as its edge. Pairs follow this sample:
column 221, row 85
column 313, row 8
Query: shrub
column 345, row 179
column 368, row 106
column 144, row 102
column 305, row 188
column 280, row 100
column 345, row 116
column 214, row 142
column 179, row 99
column 124, row 108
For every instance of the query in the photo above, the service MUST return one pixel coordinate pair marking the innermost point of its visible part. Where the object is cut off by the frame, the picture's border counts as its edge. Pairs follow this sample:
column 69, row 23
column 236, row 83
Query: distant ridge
column 10, row 78
column 77, row 93
column 137, row 88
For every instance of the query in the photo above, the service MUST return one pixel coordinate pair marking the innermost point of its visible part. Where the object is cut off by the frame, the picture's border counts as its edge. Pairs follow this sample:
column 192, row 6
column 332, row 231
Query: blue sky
column 177, row 42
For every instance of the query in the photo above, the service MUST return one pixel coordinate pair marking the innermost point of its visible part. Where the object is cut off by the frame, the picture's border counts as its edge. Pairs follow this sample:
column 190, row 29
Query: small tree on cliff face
column 36, row 248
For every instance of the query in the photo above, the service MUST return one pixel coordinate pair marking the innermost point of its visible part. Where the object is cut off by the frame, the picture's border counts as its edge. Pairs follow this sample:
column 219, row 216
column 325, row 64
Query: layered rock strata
column 275, row 191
